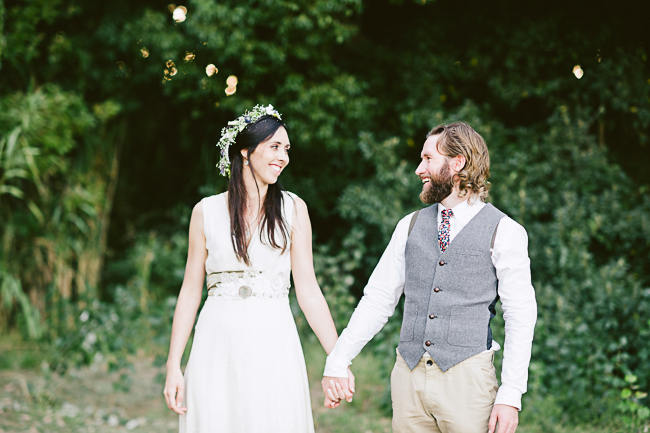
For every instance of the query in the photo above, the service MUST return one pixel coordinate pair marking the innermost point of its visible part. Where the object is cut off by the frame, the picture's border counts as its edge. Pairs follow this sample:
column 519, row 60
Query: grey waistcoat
column 450, row 296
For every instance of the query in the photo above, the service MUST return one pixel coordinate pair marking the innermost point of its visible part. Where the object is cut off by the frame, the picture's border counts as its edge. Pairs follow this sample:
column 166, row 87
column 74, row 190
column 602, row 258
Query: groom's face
column 437, row 178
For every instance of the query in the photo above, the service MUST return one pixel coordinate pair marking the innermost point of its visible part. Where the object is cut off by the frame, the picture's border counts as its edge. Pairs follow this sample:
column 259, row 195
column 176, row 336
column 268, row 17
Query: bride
column 246, row 371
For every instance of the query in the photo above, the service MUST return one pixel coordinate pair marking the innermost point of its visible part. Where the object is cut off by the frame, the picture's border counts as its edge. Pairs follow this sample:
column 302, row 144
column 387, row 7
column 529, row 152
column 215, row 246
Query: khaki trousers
column 459, row 400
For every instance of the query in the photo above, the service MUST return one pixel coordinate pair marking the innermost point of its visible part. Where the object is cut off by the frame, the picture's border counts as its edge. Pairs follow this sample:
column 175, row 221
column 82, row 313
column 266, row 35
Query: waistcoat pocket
column 408, row 324
column 468, row 326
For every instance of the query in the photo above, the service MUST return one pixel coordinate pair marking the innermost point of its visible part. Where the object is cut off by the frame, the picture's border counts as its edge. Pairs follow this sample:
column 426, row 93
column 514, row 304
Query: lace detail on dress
column 248, row 283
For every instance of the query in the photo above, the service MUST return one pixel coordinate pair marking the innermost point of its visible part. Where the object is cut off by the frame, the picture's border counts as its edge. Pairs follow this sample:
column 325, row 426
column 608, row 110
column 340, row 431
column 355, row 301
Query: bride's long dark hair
column 272, row 222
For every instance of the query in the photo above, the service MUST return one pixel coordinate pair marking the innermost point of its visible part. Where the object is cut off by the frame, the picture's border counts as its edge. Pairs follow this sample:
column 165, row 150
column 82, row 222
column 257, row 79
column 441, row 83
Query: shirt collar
column 463, row 211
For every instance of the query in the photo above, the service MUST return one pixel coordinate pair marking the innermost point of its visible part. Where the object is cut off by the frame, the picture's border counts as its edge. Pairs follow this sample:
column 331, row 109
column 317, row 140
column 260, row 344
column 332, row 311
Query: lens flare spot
column 230, row 90
column 189, row 56
column 180, row 14
column 232, row 81
column 210, row 70
column 578, row 72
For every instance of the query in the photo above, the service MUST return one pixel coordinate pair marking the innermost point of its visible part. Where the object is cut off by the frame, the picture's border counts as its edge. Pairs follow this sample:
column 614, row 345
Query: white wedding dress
column 246, row 371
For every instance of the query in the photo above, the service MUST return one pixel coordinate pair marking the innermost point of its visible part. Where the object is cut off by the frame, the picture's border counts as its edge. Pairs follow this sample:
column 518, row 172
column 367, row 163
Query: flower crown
column 236, row 126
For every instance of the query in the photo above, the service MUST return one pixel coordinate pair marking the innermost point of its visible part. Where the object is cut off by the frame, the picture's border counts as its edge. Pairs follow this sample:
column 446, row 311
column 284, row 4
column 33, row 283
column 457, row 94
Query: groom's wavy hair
column 458, row 138
column 273, row 222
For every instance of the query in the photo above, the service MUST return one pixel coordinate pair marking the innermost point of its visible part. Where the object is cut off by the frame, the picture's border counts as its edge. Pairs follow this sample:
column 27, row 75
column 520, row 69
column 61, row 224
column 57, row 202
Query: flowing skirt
column 246, row 371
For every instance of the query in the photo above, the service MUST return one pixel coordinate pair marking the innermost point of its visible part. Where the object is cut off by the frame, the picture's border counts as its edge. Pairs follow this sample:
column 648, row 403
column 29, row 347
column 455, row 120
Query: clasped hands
column 337, row 389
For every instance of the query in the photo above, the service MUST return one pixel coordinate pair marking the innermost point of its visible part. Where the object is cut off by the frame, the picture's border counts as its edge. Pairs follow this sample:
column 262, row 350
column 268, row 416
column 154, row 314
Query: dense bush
column 53, row 192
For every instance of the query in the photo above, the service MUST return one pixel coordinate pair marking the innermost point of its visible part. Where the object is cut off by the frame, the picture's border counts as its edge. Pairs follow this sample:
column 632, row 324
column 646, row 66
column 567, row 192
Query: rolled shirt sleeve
column 380, row 296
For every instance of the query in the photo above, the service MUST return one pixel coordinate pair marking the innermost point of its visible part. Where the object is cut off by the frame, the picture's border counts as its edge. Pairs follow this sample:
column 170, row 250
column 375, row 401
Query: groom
column 452, row 260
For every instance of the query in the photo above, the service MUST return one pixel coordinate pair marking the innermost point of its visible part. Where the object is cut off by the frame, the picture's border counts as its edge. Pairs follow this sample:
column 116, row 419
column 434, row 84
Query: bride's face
column 271, row 157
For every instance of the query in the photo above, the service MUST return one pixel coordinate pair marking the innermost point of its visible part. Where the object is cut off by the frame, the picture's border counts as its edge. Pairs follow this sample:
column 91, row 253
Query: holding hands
column 337, row 389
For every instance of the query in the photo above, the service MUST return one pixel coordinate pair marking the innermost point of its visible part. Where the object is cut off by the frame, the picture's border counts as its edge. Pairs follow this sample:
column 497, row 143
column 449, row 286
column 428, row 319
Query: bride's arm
column 187, row 304
column 310, row 298
column 309, row 295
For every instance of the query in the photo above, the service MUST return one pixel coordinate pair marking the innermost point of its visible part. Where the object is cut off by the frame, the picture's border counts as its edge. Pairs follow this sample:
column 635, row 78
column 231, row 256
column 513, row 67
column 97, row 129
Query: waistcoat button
column 436, row 289
column 432, row 316
column 441, row 263
column 427, row 343
column 429, row 362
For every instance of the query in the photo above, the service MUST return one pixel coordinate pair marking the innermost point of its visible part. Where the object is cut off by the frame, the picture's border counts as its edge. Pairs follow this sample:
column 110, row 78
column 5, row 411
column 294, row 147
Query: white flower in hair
column 229, row 133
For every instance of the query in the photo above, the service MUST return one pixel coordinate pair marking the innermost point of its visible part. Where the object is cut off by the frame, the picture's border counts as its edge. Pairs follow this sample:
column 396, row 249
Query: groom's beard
column 439, row 187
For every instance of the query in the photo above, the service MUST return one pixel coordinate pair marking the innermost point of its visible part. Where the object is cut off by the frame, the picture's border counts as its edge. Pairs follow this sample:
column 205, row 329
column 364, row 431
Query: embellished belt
column 247, row 283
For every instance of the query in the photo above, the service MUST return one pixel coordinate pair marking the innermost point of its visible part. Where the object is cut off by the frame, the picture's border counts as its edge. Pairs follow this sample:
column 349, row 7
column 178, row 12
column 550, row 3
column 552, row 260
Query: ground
column 93, row 400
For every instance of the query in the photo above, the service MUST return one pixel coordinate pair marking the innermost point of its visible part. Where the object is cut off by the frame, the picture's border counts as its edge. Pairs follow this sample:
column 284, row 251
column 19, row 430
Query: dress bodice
column 268, row 274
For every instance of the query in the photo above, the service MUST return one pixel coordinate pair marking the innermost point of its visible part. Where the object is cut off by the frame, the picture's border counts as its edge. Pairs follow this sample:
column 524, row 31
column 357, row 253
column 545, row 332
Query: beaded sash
column 248, row 283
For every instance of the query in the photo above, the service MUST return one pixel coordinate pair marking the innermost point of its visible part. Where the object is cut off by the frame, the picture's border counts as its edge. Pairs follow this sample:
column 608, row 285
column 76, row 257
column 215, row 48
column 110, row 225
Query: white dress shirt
column 386, row 285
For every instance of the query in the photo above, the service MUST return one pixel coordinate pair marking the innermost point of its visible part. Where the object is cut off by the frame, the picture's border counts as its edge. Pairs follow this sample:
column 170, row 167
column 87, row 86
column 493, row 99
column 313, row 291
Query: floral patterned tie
column 443, row 231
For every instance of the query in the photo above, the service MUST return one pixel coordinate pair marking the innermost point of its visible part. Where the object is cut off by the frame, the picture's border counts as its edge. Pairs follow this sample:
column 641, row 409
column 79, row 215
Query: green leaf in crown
column 229, row 133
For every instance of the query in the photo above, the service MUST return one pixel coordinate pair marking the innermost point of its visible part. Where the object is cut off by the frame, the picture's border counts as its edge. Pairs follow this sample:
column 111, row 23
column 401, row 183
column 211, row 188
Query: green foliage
column 40, row 206
column 11, row 293
column 99, row 334
column 335, row 275
column 635, row 413
column 592, row 293
column 393, row 188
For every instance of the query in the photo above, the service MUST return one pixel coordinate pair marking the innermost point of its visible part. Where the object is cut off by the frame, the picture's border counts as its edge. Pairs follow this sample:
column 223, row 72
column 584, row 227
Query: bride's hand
column 331, row 404
column 174, row 390
column 337, row 389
